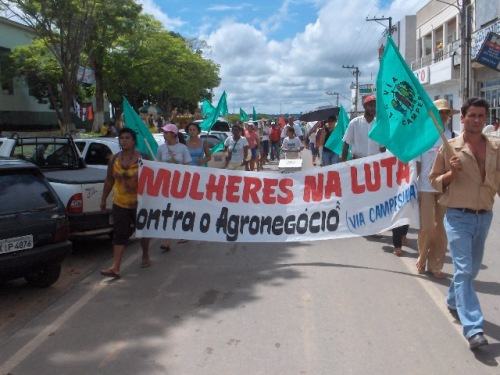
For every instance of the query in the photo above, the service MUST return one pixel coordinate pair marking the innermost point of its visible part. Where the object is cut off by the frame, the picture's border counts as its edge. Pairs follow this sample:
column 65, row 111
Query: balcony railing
column 437, row 55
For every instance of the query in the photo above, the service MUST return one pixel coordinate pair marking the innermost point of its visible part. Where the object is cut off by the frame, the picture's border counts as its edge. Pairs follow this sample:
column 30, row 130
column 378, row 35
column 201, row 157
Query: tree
column 63, row 26
column 113, row 19
column 152, row 64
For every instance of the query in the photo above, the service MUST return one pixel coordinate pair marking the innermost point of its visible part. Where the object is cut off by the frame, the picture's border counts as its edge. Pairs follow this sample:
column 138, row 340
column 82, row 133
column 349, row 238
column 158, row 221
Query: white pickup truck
column 79, row 186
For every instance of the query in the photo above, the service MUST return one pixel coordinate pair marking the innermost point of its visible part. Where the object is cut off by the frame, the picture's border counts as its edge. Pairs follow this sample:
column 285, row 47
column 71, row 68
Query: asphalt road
column 329, row 307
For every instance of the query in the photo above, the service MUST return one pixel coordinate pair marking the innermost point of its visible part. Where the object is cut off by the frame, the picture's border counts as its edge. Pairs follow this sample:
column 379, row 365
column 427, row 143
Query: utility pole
column 333, row 93
column 356, row 73
column 390, row 30
column 465, row 50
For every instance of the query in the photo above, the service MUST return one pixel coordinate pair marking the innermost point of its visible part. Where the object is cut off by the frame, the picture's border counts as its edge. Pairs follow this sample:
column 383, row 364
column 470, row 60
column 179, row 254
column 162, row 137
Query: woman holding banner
column 236, row 149
column 198, row 148
column 172, row 151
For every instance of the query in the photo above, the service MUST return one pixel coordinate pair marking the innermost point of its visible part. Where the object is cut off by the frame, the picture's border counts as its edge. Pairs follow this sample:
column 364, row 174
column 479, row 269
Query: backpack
column 274, row 134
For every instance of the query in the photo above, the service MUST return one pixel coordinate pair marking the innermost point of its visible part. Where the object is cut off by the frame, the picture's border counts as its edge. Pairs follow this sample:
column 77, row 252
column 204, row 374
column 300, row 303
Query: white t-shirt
column 265, row 133
column 294, row 145
column 296, row 127
column 356, row 136
column 426, row 161
column 309, row 126
column 236, row 148
column 177, row 154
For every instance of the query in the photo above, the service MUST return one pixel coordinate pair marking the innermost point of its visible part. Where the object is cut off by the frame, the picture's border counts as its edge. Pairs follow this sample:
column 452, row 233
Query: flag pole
column 446, row 145
column 150, row 149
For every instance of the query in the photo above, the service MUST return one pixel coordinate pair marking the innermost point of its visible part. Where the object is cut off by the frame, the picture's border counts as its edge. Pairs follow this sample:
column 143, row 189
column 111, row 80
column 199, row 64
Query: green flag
column 146, row 143
column 214, row 115
column 254, row 115
column 403, row 124
column 243, row 115
column 218, row 147
column 334, row 142
column 206, row 108
column 223, row 105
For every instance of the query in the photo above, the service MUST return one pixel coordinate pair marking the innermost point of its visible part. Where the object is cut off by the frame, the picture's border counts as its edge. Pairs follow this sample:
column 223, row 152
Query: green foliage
column 131, row 53
column 156, row 65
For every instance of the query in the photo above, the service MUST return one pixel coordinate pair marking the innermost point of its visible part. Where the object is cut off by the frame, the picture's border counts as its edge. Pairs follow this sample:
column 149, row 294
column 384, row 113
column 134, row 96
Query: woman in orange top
column 122, row 178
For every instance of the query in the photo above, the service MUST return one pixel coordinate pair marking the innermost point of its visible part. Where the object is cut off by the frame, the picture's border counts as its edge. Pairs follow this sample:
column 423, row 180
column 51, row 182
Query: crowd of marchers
column 456, row 187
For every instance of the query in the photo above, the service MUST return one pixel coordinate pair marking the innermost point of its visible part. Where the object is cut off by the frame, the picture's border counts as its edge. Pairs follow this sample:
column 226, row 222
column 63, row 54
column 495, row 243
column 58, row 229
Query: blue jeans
column 275, row 150
column 467, row 234
column 329, row 157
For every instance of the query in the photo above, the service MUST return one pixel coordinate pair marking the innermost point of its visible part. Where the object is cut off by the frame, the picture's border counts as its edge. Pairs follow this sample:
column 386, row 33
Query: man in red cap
column 356, row 135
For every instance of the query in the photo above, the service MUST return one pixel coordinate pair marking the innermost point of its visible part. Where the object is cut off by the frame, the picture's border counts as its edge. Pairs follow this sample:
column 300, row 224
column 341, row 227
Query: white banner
column 357, row 198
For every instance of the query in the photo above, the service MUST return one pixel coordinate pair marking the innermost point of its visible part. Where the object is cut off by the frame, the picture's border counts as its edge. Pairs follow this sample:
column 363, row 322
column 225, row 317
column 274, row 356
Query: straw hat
column 443, row 105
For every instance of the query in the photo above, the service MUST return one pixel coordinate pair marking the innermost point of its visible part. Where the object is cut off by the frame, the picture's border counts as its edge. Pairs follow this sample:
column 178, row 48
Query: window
column 98, row 154
column 7, row 87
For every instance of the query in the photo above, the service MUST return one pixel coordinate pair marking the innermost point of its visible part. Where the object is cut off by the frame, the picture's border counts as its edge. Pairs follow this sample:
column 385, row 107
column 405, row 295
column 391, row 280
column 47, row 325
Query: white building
column 437, row 64
column 439, row 52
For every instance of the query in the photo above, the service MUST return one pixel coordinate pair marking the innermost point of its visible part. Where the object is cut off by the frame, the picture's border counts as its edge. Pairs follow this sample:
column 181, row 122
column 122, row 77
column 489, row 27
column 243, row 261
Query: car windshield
column 24, row 190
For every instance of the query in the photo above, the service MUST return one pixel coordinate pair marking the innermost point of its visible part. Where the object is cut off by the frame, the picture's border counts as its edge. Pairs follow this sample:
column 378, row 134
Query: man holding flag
column 468, row 179
column 356, row 135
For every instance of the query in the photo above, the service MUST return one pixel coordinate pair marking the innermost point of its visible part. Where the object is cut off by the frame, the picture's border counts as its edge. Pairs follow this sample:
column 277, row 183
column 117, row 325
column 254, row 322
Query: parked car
column 34, row 228
column 78, row 186
column 97, row 151
column 221, row 125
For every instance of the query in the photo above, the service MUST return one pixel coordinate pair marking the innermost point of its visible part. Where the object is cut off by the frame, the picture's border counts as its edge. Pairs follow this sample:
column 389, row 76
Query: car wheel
column 44, row 277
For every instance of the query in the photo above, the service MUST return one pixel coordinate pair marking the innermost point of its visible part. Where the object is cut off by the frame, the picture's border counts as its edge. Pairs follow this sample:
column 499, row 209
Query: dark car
column 34, row 228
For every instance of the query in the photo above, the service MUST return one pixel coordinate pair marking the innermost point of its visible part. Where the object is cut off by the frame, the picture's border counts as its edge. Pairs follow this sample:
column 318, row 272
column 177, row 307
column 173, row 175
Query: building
column 19, row 111
column 438, row 53
column 445, row 69
column 486, row 79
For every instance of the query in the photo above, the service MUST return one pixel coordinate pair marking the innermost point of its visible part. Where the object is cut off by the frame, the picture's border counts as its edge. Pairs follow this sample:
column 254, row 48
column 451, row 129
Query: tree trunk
column 99, row 99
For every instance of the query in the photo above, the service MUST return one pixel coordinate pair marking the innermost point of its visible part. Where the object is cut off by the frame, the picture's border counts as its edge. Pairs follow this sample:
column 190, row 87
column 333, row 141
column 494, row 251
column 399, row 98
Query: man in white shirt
column 296, row 128
column 356, row 134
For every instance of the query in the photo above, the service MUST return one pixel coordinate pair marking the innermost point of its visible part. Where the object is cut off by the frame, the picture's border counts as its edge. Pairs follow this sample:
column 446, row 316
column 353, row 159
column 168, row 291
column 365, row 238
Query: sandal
column 397, row 251
column 145, row 264
column 439, row 275
column 420, row 268
column 110, row 273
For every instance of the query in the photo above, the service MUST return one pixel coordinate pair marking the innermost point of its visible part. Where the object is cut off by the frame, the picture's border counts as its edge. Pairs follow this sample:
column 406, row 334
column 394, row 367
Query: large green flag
column 221, row 109
column 206, row 108
column 334, row 142
column 146, row 143
column 404, row 124
column 254, row 115
column 243, row 115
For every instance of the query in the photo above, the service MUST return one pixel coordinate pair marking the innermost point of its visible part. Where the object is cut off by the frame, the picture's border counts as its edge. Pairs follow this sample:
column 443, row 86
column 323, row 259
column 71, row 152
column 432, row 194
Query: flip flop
column 439, row 275
column 165, row 248
column 145, row 264
column 420, row 268
column 110, row 273
column 398, row 252
column 182, row 241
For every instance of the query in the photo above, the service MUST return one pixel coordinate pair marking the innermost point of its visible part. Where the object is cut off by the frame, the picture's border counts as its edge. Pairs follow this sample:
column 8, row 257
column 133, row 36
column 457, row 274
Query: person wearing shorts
column 122, row 179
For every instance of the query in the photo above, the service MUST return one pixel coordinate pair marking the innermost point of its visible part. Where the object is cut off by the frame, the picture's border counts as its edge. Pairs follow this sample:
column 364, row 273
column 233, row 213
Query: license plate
column 10, row 245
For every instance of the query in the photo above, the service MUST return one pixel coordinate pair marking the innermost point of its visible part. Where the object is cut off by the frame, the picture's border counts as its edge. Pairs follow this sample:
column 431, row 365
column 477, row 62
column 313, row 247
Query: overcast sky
column 281, row 56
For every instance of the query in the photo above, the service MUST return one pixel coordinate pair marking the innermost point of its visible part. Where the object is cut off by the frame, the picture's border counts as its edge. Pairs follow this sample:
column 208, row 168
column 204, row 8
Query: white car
column 212, row 139
column 97, row 151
